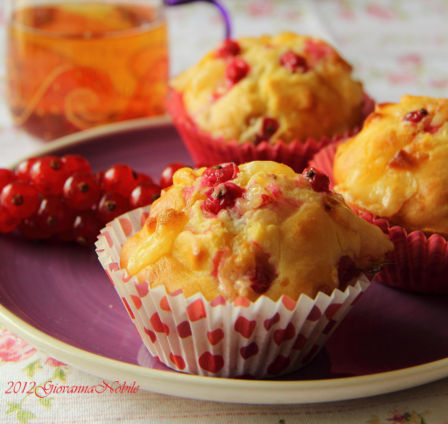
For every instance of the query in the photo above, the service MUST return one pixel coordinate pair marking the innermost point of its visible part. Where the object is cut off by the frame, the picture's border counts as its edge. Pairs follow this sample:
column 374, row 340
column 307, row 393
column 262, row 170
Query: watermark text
column 49, row 388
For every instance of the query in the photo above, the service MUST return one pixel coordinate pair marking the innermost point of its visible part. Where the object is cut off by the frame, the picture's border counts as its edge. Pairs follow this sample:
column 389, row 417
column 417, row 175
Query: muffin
column 267, row 260
column 395, row 169
column 273, row 97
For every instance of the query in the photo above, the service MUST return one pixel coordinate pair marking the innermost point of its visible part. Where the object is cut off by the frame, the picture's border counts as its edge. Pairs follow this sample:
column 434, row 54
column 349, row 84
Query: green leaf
column 24, row 416
column 46, row 402
column 59, row 374
column 282, row 421
column 12, row 406
column 32, row 368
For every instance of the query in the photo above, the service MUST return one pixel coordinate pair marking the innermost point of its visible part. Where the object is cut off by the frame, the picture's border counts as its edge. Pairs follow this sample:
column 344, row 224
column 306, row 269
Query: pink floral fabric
column 12, row 348
column 54, row 362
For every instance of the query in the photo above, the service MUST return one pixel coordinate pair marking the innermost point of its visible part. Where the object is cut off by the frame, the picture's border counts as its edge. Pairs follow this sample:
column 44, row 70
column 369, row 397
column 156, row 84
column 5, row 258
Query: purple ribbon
column 222, row 10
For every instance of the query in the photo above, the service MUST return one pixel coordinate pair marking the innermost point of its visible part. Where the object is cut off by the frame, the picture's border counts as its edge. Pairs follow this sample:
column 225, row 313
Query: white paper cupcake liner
column 220, row 338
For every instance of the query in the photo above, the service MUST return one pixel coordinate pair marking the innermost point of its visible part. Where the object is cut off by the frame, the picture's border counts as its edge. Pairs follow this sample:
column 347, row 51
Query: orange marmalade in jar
column 76, row 65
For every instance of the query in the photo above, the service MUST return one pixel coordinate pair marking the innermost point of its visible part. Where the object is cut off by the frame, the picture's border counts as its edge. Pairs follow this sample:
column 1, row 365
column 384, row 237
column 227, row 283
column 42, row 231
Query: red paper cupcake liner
column 207, row 150
column 419, row 261
column 323, row 161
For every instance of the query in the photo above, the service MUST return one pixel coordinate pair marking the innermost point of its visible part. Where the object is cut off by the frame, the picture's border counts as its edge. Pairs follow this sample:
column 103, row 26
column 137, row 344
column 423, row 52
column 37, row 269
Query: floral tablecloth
column 396, row 47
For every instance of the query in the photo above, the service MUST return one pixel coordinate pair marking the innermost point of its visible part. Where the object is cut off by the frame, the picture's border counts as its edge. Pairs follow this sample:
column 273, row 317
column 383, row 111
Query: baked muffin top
column 257, row 229
column 396, row 167
column 287, row 87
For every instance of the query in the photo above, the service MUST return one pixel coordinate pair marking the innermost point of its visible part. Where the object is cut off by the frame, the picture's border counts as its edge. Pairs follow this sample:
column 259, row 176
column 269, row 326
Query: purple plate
column 59, row 299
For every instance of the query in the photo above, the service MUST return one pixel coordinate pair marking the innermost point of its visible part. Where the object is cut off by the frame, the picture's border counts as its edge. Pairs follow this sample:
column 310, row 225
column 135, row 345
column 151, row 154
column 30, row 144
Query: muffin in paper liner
column 419, row 261
column 207, row 150
column 221, row 338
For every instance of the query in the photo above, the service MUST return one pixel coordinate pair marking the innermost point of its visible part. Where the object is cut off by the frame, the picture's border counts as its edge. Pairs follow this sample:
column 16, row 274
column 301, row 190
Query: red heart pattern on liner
column 260, row 339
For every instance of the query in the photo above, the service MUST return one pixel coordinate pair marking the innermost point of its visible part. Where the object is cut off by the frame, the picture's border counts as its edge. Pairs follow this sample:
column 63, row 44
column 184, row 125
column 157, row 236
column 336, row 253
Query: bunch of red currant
column 51, row 197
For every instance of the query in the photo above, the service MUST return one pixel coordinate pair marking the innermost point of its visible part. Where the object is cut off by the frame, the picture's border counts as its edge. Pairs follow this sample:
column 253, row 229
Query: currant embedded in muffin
column 272, row 91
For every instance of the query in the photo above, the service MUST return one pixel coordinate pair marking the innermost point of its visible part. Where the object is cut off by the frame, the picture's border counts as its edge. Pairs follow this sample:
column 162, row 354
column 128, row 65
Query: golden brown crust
column 322, row 101
column 276, row 236
column 396, row 166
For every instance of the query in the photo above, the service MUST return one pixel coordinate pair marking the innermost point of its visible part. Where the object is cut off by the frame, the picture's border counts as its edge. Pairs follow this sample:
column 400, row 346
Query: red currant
column 317, row 50
column 318, row 181
column 53, row 215
column 99, row 177
column 416, row 115
column 112, row 205
column 263, row 274
column 432, row 129
column 51, row 196
column 6, row 177
column 75, row 163
column 120, row 179
column 86, row 228
column 293, row 62
column 7, row 221
column 236, row 70
column 222, row 196
column 166, row 178
column 227, row 49
column 143, row 178
column 81, row 191
column 31, row 229
column 144, row 194
column 269, row 127
column 20, row 199
column 219, row 174
column 23, row 170
column 48, row 175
